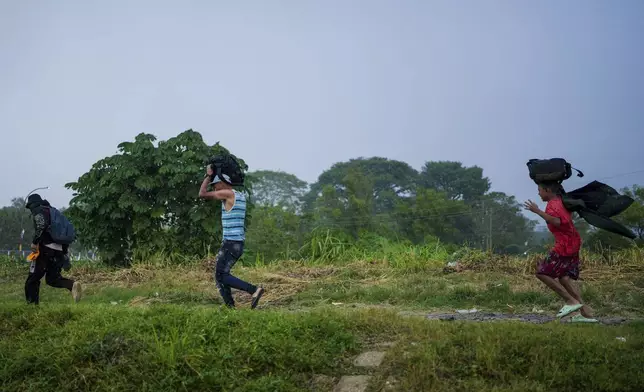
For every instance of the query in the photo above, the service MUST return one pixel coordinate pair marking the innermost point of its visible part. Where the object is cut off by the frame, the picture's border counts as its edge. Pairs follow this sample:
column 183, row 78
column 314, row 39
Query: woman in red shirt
column 561, row 266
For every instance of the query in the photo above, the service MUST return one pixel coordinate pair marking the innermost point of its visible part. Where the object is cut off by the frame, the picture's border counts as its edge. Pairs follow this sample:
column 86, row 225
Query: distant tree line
column 143, row 201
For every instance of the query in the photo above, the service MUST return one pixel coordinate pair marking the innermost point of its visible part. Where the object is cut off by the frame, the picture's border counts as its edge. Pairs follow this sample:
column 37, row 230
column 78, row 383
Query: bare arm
column 223, row 194
column 551, row 220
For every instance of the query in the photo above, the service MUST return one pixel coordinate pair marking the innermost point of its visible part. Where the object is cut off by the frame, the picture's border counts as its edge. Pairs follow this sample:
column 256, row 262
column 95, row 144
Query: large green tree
column 144, row 199
column 455, row 180
column 353, row 212
column 360, row 196
column 277, row 188
column 389, row 180
column 431, row 214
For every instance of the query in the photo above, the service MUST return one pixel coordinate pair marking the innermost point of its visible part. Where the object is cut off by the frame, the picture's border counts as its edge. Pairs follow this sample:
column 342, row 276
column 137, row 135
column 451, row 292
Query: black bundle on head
column 549, row 171
column 227, row 164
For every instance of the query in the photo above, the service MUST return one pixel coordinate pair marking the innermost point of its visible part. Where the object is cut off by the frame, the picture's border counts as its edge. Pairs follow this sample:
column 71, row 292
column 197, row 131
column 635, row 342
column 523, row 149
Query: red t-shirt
column 567, row 239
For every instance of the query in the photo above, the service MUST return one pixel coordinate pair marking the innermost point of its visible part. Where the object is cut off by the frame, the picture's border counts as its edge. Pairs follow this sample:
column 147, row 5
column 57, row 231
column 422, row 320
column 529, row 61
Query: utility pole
column 483, row 213
column 490, row 231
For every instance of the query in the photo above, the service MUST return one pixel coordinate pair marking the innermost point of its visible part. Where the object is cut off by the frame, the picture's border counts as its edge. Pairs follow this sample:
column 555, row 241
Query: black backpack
column 229, row 165
column 551, row 170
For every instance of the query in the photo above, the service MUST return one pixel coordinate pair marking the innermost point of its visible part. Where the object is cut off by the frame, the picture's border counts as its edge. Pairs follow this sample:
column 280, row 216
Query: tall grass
column 328, row 247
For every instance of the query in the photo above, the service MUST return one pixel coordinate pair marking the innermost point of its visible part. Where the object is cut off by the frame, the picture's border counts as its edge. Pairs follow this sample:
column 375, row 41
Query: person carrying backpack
column 596, row 203
column 233, row 215
column 52, row 236
column 560, row 267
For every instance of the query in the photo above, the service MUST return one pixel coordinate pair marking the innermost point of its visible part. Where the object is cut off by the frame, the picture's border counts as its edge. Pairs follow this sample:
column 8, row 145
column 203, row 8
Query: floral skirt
column 557, row 266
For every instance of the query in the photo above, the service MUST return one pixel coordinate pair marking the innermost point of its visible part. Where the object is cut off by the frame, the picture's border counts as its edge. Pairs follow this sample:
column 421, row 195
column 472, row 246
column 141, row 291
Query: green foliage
column 326, row 245
column 277, row 188
column 144, row 199
column 275, row 234
column 633, row 217
column 388, row 179
column 167, row 349
column 164, row 332
column 431, row 214
column 455, row 180
column 503, row 220
column 171, row 348
column 142, row 203
column 603, row 242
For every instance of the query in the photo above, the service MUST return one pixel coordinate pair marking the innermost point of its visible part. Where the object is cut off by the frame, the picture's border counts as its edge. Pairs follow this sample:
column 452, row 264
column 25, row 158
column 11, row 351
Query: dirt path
column 533, row 318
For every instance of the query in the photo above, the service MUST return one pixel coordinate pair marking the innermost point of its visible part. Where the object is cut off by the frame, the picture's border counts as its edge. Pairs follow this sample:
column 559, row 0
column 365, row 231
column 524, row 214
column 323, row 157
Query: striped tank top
column 233, row 221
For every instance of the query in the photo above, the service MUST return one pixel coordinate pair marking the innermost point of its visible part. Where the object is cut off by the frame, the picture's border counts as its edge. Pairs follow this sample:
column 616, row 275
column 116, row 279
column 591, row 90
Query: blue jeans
column 228, row 255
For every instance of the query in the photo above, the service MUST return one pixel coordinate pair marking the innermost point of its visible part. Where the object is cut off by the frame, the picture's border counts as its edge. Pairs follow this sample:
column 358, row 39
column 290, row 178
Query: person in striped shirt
column 233, row 216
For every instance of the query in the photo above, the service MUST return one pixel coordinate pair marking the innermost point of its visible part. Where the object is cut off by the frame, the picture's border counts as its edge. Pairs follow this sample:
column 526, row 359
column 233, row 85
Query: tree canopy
column 277, row 188
column 144, row 200
column 455, row 180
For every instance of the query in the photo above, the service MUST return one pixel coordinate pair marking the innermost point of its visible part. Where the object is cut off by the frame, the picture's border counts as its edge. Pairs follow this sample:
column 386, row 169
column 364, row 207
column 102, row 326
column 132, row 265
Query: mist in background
column 298, row 86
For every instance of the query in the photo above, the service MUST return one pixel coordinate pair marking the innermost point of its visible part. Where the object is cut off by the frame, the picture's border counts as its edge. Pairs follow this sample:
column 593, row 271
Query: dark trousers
column 228, row 255
column 48, row 264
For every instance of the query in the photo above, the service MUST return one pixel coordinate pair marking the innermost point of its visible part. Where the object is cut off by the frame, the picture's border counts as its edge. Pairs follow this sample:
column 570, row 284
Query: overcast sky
column 299, row 85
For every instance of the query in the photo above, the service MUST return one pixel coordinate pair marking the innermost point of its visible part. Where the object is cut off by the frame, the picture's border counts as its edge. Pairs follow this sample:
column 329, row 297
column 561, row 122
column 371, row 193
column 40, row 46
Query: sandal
column 255, row 299
column 567, row 309
column 581, row 319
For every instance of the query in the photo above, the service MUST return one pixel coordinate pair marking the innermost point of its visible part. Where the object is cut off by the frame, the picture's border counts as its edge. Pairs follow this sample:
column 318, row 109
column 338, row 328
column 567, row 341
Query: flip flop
column 567, row 309
column 581, row 319
column 255, row 299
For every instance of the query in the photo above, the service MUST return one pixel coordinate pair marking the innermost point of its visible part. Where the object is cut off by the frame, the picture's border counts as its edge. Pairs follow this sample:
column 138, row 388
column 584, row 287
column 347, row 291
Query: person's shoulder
column 555, row 203
column 239, row 194
column 554, row 206
column 39, row 210
column 557, row 209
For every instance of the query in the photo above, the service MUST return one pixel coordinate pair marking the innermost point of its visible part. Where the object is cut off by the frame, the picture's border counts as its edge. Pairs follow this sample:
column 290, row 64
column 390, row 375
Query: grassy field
column 156, row 327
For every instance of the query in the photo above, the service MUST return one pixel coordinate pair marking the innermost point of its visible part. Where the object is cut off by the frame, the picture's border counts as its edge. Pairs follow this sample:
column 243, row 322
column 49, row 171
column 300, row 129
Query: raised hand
column 531, row 206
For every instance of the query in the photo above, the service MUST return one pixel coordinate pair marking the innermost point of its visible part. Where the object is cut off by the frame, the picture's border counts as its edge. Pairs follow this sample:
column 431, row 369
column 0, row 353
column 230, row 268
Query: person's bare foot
column 587, row 311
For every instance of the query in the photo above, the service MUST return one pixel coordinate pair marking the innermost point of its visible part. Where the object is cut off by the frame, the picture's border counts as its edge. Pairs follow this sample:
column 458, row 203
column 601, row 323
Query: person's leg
column 224, row 280
column 66, row 259
column 548, row 271
column 236, row 249
column 54, row 278
column 569, row 267
column 555, row 286
column 224, row 290
column 573, row 290
column 37, row 270
column 226, row 259
column 54, row 265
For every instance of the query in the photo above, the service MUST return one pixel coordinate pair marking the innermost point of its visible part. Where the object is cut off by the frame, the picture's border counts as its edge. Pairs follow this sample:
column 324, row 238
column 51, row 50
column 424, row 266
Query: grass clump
column 159, row 327
column 518, row 357
column 171, row 347
column 166, row 348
